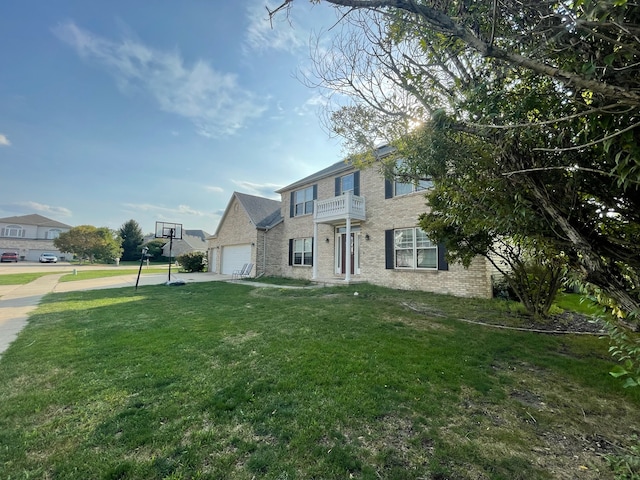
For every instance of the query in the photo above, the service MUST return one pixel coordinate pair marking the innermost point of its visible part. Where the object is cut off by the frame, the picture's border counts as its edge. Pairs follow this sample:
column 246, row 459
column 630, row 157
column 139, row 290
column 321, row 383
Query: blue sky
column 154, row 111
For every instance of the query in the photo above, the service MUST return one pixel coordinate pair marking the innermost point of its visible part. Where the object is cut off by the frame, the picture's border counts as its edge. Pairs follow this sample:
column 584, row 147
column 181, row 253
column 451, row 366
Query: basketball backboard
column 168, row 230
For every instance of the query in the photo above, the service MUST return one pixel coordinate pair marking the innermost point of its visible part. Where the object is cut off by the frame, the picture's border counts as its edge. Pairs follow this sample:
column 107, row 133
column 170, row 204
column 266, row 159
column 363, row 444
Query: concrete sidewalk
column 17, row 302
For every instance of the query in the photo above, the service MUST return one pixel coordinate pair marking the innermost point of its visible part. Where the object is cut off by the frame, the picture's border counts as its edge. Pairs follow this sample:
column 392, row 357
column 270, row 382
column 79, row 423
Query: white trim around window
column 13, row 231
column 414, row 250
column 302, row 255
column 303, row 202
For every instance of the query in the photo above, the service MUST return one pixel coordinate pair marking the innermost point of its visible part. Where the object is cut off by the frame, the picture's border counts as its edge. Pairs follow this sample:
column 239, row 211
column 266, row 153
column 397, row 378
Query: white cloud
column 282, row 33
column 312, row 105
column 266, row 190
column 211, row 188
column 169, row 214
column 4, row 141
column 213, row 101
column 31, row 207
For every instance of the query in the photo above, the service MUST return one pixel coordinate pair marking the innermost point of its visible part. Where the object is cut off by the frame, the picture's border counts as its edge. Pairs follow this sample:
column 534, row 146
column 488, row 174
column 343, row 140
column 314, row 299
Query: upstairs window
column 14, row 231
column 404, row 182
column 53, row 233
column 402, row 188
column 348, row 183
column 302, row 201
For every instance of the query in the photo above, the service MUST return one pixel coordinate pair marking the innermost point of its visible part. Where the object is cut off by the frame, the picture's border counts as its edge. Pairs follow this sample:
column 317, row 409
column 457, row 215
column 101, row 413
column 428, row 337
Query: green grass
column 576, row 302
column 220, row 380
column 22, row 278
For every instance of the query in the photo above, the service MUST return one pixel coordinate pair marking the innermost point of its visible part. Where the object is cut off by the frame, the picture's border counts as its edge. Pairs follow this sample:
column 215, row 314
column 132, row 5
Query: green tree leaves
column 132, row 238
column 89, row 242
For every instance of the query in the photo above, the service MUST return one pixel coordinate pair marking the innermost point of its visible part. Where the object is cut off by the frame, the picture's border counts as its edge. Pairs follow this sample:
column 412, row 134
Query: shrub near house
column 193, row 261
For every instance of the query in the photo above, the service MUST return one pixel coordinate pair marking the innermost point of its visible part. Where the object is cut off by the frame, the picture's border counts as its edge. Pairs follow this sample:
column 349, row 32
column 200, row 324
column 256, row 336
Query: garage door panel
column 234, row 257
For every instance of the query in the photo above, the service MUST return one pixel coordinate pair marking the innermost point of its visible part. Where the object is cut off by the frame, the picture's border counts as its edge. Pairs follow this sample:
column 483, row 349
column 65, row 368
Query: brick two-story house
column 346, row 225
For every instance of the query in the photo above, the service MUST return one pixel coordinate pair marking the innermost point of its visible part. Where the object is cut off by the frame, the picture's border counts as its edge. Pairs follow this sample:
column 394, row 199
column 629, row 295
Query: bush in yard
column 193, row 261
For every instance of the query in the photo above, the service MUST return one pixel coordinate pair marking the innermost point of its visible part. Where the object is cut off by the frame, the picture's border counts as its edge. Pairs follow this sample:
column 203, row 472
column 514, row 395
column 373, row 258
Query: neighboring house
column 345, row 225
column 192, row 241
column 248, row 232
column 31, row 235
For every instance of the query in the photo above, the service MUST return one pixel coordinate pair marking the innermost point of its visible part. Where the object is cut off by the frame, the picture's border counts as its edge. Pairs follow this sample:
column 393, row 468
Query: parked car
column 9, row 257
column 48, row 258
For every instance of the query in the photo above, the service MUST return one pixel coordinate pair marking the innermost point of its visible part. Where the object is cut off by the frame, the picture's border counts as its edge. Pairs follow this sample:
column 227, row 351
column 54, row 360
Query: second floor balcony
column 339, row 208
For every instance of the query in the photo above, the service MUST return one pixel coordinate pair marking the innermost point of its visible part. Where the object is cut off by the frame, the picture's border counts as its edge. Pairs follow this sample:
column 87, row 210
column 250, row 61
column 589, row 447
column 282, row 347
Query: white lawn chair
column 240, row 273
column 247, row 272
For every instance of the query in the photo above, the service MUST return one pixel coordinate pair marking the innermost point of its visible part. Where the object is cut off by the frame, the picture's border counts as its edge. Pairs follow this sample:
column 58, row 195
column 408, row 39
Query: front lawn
column 22, row 278
column 221, row 380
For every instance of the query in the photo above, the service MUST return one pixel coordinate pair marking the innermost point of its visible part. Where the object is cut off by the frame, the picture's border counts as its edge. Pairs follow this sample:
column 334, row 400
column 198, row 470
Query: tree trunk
column 597, row 271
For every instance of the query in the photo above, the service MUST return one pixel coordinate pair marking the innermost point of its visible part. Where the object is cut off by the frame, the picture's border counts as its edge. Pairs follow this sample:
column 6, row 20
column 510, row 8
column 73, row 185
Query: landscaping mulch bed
column 569, row 322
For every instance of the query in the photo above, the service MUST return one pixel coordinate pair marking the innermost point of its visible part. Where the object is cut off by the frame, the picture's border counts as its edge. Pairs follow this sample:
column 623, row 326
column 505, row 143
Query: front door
column 343, row 250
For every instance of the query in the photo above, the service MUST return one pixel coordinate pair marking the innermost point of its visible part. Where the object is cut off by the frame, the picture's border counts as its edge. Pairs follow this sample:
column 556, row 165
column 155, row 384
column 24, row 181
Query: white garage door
column 234, row 257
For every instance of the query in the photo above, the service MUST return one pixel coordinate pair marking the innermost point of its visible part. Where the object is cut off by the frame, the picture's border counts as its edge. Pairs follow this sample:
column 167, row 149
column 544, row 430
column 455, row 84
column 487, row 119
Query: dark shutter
column 442, row 258
column 356, row 182
column 315, row 197
column 338, row 185
column 292, row 206
column 291, row 251
column 388, row 250
column 312, row 247
column 388, row 188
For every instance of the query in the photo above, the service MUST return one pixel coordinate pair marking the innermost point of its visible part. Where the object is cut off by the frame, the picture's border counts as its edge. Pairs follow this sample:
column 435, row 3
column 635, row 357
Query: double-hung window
column 348, row 183
column 405, row 182
column 303, row 201
column 302, row 251
column 403, row 188
column 413, row 249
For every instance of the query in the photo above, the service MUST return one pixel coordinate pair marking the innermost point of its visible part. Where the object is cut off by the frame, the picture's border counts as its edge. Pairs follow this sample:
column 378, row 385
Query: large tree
column 89, row 242
column 132, row 238
column 549, row 89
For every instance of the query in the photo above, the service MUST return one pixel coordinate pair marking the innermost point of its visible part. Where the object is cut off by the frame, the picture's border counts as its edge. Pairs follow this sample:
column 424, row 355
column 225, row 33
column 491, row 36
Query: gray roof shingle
column 263, row 212
column 35, row 219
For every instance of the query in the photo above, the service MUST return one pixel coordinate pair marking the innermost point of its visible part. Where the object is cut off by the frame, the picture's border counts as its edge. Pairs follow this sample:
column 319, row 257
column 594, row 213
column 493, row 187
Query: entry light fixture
column 367, row 237
column 327, row 240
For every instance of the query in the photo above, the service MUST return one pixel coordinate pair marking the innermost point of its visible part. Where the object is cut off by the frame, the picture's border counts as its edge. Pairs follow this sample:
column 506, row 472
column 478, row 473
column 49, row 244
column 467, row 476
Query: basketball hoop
column 170, row 231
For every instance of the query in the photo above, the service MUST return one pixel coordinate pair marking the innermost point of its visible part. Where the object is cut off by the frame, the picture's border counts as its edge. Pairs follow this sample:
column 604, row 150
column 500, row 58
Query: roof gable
column 258, row 208
column 34, row 219
column 262, row 212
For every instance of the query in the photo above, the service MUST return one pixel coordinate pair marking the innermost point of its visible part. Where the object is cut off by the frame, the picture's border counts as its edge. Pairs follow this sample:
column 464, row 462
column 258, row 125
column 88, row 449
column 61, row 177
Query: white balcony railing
column 338, row 208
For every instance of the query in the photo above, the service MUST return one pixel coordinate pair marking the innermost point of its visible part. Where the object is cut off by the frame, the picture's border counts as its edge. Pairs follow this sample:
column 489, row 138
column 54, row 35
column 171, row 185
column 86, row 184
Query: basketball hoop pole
column 170, row 249
column 144, row 253
column 170, row 231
